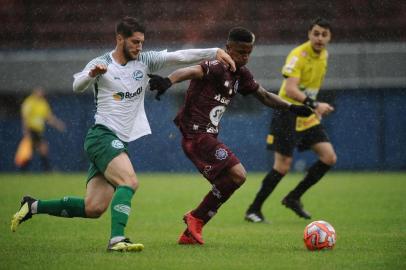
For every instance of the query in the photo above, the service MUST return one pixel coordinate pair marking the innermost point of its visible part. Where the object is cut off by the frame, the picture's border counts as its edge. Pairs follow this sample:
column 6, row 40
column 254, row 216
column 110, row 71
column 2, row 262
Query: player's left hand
column 160, row 84
column 226, row 59
column 300, row 110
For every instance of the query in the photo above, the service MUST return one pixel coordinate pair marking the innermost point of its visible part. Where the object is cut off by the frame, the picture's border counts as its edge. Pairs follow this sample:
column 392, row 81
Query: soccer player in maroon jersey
column 211, row 89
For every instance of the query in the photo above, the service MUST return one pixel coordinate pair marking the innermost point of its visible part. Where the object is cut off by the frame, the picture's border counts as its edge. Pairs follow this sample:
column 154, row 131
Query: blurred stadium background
column 46, row 42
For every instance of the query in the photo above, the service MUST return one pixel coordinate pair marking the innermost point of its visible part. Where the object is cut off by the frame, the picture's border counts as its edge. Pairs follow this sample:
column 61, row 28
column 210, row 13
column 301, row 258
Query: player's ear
column 119, row 38
column 329, row 35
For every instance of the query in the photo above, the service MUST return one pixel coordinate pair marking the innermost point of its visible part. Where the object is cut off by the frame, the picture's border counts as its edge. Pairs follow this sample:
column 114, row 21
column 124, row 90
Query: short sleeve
column 213, row 70
column 247, row 83
column 47, row 110
column 26, row 107
column 293, row 66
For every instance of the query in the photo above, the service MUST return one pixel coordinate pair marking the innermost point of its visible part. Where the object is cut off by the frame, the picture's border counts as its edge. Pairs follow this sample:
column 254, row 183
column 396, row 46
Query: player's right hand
column 323, row 109
column 160, row 84
column 226, row 59
column 97, row 70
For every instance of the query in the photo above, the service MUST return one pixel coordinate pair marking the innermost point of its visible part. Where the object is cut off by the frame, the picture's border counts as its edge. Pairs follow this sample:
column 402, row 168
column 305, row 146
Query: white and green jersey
column 119, row 93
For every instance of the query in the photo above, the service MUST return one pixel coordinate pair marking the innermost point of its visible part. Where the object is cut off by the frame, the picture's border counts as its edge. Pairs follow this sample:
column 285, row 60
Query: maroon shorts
column 210, row 156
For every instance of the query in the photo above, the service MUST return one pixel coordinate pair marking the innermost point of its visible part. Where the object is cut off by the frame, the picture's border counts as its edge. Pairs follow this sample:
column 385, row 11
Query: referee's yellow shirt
column 310, row 67
column 35, row 111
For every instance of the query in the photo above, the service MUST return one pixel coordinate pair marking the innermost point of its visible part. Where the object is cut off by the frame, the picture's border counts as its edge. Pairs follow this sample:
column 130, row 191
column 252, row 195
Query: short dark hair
column 128, row 25
column 241, row 34
column 320, row 22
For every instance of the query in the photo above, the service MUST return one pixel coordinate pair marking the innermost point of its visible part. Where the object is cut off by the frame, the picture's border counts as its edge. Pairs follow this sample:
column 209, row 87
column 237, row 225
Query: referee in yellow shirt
column 304, row 72
column 35, row 113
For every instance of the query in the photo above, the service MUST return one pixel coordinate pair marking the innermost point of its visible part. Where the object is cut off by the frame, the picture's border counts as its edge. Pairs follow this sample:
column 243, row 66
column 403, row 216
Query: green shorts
column 101, row 146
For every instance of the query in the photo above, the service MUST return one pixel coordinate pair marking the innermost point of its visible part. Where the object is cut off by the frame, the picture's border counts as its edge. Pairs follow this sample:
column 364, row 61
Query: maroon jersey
column 207, row 98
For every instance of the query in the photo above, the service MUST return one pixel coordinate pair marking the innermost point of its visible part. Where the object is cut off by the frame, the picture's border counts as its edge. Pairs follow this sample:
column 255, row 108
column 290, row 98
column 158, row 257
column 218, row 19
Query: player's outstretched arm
column 190, row 56
column 161, row 84
column 275, row 102
column 84, row 79
column 55, row 122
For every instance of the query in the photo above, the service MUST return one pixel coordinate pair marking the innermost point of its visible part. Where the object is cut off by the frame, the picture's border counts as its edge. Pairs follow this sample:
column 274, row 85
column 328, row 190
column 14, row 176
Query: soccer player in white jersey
column 119, row 80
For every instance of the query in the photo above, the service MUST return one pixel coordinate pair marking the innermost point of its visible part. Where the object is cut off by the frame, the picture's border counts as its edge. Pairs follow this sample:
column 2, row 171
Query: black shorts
column 36, row 137
column 284, row 138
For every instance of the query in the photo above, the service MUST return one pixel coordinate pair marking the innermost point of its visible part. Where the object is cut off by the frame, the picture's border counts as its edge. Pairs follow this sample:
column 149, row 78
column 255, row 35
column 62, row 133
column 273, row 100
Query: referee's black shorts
column 36, row 137
column 283, row 137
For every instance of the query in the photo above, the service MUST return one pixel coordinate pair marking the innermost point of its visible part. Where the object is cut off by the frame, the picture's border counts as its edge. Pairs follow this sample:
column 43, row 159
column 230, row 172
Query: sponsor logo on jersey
column 119, row 96
column 213, row 130
column 216, row 113
column 221, row 99
column 138, row 75
column 221, row 154
column 117, row 144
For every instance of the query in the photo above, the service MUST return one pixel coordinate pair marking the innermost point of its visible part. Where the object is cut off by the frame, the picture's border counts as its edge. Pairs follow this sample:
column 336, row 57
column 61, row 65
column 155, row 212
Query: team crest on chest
column 138, row 75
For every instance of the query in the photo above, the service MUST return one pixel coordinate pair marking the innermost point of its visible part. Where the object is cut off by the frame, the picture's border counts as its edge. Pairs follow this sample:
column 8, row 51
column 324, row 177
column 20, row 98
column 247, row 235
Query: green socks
column 120, row 210
column 65, row 207
column 75, row 207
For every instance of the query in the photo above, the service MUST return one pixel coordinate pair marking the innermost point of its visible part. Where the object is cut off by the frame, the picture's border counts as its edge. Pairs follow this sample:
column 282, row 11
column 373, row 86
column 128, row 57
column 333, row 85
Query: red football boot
column 187, row 239
column 194, row 226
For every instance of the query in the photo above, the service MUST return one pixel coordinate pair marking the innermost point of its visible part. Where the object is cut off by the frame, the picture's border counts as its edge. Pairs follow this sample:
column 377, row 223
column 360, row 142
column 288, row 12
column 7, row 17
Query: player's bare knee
column 133, row 184
column 128, row 180
column 282, row 168
column 282, row 164
column 330, row 159
column 239, row 176
column 93, row 210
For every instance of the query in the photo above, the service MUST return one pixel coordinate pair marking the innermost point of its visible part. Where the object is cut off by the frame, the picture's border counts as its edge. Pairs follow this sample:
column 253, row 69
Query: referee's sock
column 269, row 183
column 314, row 174
column 45, row 166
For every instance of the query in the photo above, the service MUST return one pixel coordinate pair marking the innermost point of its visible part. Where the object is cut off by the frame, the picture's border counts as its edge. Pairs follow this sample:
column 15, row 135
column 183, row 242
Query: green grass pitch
column 368, row 211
